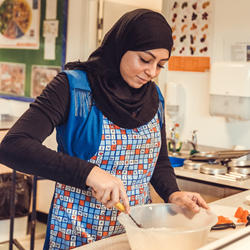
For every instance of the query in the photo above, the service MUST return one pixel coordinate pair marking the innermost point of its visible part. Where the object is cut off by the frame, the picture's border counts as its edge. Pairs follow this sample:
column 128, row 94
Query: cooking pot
column 167, row 226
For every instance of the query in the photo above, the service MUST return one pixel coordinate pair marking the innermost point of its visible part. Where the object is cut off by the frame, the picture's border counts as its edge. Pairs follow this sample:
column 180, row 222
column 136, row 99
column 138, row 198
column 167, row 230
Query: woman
column 110, row 132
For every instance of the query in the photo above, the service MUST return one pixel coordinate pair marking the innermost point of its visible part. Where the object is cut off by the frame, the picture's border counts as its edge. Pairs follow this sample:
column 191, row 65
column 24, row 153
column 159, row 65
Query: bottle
column 176, row 136
column 178, row 142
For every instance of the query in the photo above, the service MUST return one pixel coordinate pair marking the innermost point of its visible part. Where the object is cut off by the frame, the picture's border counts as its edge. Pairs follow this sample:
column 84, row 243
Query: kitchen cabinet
column 210, row 187
column 209, row 191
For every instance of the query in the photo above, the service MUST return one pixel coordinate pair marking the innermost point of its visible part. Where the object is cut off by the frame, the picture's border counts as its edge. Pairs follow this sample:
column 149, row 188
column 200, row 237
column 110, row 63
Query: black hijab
column 137, row 30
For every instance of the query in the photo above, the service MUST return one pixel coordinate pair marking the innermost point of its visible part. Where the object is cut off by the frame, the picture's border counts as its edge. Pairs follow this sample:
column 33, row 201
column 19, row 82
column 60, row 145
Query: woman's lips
column 142, row 80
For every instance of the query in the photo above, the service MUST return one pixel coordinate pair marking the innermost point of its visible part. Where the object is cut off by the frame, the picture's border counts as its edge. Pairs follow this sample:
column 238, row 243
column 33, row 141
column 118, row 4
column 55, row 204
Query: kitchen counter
column 230, row 203
column 234, row 200
column 120, row 241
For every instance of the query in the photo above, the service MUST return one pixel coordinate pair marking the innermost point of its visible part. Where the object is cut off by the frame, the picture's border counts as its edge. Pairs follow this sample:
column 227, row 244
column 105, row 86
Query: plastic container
column 176, row 162
column 159, row 218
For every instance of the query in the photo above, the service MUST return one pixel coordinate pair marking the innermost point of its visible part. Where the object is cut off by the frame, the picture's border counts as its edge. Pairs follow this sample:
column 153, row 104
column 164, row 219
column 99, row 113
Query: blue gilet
column 81, row 135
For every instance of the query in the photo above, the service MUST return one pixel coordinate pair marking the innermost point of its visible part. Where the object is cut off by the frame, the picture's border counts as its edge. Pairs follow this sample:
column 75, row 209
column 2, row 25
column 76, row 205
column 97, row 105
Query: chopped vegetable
column 243, row 217
column 223, row 220
column 239, row 212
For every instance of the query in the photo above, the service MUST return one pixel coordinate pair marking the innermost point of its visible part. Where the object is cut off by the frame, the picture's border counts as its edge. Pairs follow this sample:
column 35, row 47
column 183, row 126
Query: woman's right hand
column 107, row 189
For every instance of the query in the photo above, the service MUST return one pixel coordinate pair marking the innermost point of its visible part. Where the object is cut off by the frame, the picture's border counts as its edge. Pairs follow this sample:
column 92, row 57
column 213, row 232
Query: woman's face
column 139, row 67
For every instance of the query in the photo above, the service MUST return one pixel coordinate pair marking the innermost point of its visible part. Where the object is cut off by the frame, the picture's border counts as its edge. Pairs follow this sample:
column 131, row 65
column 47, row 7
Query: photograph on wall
column 41, row 76
column 12, row 78
column 19, row 23
column 191, row 22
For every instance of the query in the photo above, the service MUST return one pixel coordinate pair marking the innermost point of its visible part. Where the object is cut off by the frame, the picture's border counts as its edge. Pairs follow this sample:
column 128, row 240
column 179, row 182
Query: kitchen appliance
column 167, row 226
column 230, row 90
column 223, row 155
column 219, row 164
column 214, row 169
column 193, row 165
column 240, row 170
column 239, row 164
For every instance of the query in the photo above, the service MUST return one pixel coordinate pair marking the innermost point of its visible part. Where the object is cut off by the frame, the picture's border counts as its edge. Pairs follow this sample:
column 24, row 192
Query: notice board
column 32, row 45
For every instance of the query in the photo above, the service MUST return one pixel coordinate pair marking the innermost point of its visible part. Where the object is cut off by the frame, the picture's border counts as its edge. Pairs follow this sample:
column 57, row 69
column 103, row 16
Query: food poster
column 19, row 23
column 12, row 78
column 191, row 22
column 41, row 76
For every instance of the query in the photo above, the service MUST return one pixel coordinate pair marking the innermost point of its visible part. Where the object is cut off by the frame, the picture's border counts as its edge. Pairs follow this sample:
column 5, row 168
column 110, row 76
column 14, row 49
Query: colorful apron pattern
column 129, row 154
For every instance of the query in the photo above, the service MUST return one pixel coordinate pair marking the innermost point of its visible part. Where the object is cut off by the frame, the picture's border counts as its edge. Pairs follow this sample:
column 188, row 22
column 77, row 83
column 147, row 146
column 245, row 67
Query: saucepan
column 167, row 226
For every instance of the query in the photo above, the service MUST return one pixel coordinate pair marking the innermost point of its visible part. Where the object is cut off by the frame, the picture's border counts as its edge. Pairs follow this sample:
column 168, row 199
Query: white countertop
column 230, row 203
column 234, row 200
column 196, row 175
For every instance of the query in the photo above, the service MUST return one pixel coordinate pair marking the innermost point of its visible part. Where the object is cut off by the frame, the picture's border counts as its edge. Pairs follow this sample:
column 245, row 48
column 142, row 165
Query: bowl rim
column 209, row 226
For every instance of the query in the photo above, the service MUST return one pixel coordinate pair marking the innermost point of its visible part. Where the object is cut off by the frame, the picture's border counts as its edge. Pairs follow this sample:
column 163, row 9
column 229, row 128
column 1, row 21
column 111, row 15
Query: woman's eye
column 144, row 60
column 160, row 66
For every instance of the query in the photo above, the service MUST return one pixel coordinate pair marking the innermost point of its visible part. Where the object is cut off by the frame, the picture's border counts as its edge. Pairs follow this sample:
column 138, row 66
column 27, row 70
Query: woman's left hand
column 189, row 199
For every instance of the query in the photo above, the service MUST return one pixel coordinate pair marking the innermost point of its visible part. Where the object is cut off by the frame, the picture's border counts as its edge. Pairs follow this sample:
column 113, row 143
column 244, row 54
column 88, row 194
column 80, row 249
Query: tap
column 194, row 136
column 194, row 145
column 173, row 143
column 194, row 140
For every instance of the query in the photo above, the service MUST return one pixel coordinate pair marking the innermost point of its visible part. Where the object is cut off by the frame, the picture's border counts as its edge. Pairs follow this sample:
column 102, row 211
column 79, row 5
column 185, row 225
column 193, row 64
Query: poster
column 19, row 23
column 191, row 23
column 12, row 78
column 41, row 76
column 237, row 49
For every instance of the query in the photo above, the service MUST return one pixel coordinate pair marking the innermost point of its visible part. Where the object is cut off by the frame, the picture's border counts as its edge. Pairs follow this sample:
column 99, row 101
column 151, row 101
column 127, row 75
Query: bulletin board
column 192, row 25
column 32, row 46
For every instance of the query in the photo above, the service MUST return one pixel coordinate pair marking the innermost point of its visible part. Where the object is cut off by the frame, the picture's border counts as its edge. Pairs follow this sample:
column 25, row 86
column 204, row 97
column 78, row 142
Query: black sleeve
column 22, row 148
column 164, row 179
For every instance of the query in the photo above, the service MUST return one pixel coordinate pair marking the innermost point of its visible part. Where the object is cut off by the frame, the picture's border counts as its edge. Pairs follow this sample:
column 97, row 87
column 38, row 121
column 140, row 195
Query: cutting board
column 226, row 212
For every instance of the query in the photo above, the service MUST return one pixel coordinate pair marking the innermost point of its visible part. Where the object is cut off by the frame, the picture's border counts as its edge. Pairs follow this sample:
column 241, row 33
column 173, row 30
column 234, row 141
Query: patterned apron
column 130, row 155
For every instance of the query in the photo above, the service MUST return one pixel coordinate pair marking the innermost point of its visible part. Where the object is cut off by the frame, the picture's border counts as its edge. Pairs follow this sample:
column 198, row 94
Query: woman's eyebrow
column 148, row 52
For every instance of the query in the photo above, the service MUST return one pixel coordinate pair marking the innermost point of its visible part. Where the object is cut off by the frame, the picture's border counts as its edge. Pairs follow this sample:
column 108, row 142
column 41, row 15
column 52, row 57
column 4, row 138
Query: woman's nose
column 151, row 71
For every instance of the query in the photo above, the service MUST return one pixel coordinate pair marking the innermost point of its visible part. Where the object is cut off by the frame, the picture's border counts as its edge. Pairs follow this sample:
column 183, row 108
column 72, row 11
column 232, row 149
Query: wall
column 156, row 4
column 231, row 18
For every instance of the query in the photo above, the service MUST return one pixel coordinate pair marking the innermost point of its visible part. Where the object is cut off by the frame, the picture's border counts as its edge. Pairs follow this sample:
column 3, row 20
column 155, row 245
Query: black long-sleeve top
column 22, row 148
